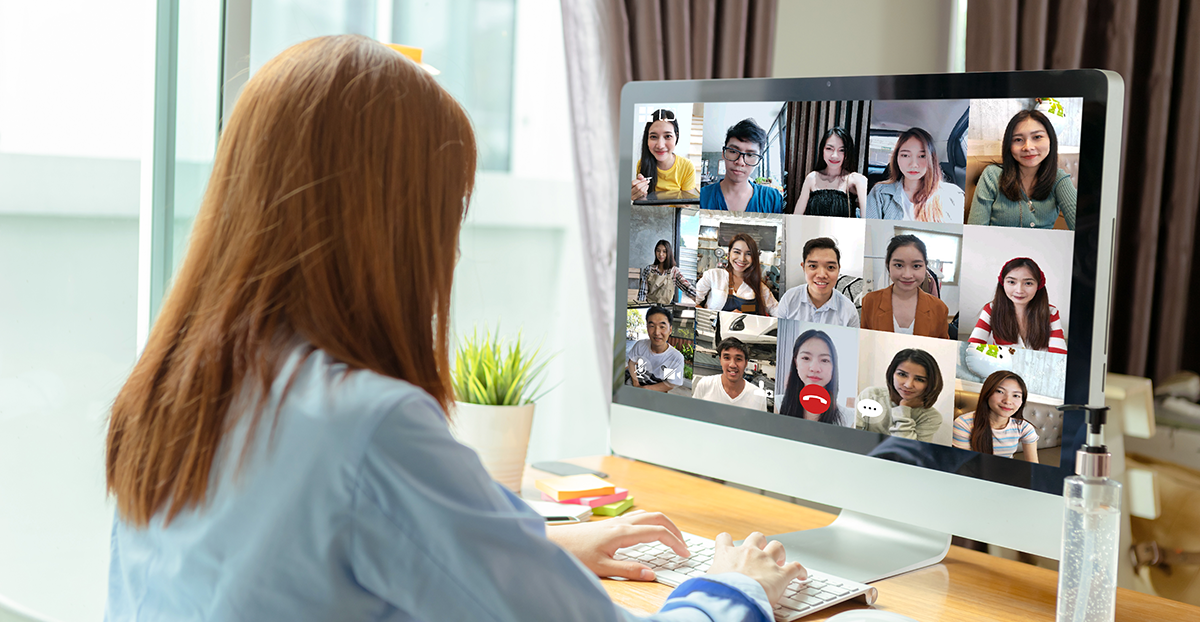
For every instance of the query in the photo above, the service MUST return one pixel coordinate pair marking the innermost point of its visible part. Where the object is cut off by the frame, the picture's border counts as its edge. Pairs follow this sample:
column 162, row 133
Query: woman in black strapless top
column 834, row 187
column 831, row 202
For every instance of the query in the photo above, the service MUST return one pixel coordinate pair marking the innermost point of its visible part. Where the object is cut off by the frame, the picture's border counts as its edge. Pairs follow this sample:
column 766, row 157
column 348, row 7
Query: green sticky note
column 614, row 509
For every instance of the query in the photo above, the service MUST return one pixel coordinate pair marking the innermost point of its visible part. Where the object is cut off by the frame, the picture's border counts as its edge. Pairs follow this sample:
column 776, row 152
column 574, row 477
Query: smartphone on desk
column 560, row 513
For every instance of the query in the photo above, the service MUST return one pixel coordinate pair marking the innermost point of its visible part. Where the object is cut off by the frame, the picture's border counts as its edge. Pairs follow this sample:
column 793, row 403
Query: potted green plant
column 496, row 384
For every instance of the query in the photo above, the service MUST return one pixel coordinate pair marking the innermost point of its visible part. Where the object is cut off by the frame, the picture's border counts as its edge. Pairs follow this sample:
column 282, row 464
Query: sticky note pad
column 614, row 509
column 594, row 502
column 574, row 487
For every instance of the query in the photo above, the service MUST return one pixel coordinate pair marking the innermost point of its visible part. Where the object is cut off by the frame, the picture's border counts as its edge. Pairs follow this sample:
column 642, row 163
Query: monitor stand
column 865, row 548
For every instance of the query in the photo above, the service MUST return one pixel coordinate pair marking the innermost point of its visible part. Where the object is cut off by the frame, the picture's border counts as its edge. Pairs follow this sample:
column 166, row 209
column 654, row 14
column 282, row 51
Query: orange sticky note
column 574, row 487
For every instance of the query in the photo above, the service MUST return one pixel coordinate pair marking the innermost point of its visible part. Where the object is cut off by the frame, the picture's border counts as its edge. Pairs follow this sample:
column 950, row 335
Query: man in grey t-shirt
column 653, row 363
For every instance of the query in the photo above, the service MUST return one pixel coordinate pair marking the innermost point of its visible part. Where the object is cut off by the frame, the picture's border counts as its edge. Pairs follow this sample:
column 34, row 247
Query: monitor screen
column 906, row 272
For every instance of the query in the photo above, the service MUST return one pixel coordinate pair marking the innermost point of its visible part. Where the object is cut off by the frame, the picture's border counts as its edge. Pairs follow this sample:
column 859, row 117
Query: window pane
column 76, row 79
column 945, row 252
column 471, row 43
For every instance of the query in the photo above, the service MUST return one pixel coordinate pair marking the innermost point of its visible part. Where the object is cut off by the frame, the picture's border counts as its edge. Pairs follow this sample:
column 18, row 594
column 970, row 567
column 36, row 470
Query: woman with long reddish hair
column 914, row 188
column 739, row 286
column 281, row 449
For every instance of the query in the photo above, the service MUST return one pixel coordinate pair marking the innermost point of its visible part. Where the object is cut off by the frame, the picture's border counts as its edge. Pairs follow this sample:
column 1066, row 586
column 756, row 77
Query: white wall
column 718, row 118
column 987, row 249
column 863, row 37
column 989, row 118
column 876, row 351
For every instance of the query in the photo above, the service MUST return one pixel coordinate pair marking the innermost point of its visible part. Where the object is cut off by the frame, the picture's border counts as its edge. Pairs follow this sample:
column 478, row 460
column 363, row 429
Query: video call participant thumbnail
column 1020, row 314
column 744, row 146
column 814, row 361
column 730, row 386
column 834, row 187
column 998, row 424
column 903, row 307
column 914, row 189
column 659, row 169
column 904, row 406
column 659, row 279
column 818, row 300
column 653, row 363
column 1027, row 189
column 739, row 286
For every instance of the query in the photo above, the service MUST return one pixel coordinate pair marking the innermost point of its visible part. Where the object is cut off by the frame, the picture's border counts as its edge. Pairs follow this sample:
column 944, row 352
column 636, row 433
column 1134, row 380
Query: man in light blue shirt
column 818, row 299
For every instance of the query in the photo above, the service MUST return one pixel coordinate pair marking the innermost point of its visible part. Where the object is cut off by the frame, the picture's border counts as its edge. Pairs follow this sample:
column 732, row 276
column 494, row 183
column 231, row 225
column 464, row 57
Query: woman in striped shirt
column 1020, row 314
column 997, row 426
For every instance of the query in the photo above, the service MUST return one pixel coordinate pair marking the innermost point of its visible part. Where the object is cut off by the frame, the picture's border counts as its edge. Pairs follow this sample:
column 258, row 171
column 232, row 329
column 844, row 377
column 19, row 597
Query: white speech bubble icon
column 870, row 409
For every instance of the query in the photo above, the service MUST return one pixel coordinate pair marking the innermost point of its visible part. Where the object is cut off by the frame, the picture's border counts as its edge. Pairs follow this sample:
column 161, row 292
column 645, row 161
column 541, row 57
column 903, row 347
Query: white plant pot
column 499, row 434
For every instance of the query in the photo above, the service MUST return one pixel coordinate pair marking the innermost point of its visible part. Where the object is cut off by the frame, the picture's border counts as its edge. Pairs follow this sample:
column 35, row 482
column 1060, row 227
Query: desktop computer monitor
column 870, row 293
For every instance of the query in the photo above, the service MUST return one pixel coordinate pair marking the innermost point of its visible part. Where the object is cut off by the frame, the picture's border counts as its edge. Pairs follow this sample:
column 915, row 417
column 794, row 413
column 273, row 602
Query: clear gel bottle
column 1087, row 570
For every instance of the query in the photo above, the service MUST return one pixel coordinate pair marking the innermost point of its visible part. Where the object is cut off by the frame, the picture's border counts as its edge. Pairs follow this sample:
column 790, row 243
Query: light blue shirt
column 795, row 304
column 359, row 505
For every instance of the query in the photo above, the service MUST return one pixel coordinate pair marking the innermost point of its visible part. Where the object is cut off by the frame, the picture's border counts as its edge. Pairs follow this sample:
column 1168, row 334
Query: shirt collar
column 833, row 305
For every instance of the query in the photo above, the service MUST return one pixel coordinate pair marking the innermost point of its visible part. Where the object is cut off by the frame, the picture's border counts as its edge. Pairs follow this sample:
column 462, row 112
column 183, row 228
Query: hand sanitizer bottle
column 1087, row 570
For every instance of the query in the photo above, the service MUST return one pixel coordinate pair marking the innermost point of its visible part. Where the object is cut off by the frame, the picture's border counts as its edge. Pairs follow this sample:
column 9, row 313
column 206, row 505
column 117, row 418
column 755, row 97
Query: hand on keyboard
column 755, row 558
column 595, row 543
column 800, row 597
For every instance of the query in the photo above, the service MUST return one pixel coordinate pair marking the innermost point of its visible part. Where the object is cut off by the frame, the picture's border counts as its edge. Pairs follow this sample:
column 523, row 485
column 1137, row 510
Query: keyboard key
column 809, row 600
column 794, row 603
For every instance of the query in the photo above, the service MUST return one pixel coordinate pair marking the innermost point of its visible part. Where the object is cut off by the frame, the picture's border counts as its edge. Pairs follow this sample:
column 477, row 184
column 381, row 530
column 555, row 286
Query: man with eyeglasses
column 744, row 146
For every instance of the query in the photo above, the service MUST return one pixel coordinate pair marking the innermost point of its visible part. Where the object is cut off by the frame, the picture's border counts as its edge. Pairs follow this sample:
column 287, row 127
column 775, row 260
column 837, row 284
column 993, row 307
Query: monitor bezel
column 1091, row 274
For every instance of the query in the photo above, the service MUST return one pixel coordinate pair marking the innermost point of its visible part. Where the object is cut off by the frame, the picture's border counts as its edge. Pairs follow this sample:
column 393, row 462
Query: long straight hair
column 791, row 397
column 649, row 165
column 1010, row 174
column 332, row 216
column 929, row 183
column 849, row 162
column 1005, row 325
column 669, row 262
column 753, row 275
column 981, row 427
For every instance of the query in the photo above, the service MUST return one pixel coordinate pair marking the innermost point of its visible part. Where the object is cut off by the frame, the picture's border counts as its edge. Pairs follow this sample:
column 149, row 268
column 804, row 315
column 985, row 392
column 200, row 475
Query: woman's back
column 358, row 505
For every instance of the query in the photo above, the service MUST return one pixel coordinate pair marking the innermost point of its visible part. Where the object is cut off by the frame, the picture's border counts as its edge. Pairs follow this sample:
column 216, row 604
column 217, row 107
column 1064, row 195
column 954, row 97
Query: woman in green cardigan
column 1028, row 189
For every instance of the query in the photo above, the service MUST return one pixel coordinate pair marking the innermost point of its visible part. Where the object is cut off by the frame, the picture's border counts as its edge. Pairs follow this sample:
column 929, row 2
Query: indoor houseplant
column 496, row 383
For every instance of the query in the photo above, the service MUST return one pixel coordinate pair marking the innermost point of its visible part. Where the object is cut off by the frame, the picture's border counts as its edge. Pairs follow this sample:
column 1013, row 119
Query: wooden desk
column 967, row 585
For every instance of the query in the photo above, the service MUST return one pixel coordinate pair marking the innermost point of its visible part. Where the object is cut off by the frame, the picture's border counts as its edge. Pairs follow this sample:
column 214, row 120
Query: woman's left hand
column 594, row 543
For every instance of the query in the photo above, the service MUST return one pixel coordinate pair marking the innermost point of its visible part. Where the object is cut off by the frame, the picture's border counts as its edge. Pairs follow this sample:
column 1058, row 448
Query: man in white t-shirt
column 653, row 363
column 730, row 387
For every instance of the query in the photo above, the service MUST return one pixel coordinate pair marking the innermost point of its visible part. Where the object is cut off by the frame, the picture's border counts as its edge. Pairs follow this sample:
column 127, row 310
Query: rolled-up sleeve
column 435, row 537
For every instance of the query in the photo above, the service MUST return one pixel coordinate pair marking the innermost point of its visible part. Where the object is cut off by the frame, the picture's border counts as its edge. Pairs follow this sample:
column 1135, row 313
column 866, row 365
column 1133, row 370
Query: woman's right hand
column 756, row 558
column 641, row 187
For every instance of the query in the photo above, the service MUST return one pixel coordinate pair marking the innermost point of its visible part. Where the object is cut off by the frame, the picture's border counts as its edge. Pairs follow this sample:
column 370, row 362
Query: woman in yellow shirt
column 658, row 168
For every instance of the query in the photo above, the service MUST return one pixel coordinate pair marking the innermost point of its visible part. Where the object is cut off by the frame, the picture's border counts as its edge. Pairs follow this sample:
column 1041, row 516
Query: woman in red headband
column 1020, row 314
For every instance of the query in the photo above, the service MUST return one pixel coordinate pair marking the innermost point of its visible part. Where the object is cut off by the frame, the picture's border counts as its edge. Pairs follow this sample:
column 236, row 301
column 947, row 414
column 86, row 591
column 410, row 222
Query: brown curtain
column 1155, row 46
column 807, row 122
column 611, row 42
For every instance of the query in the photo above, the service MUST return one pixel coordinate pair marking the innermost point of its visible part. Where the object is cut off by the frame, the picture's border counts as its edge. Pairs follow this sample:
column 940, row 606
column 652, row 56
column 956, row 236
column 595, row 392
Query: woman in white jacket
column 733, row 288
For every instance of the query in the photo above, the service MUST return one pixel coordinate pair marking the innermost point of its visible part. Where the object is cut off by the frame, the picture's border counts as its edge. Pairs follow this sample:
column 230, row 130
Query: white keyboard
column 801, row 598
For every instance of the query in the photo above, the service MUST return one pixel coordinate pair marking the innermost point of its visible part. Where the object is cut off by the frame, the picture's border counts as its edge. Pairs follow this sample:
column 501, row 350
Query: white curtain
column 595, row 34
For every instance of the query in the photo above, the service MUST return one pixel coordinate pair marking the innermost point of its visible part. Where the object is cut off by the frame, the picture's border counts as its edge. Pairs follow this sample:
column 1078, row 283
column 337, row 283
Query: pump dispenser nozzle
column 1093, row 458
